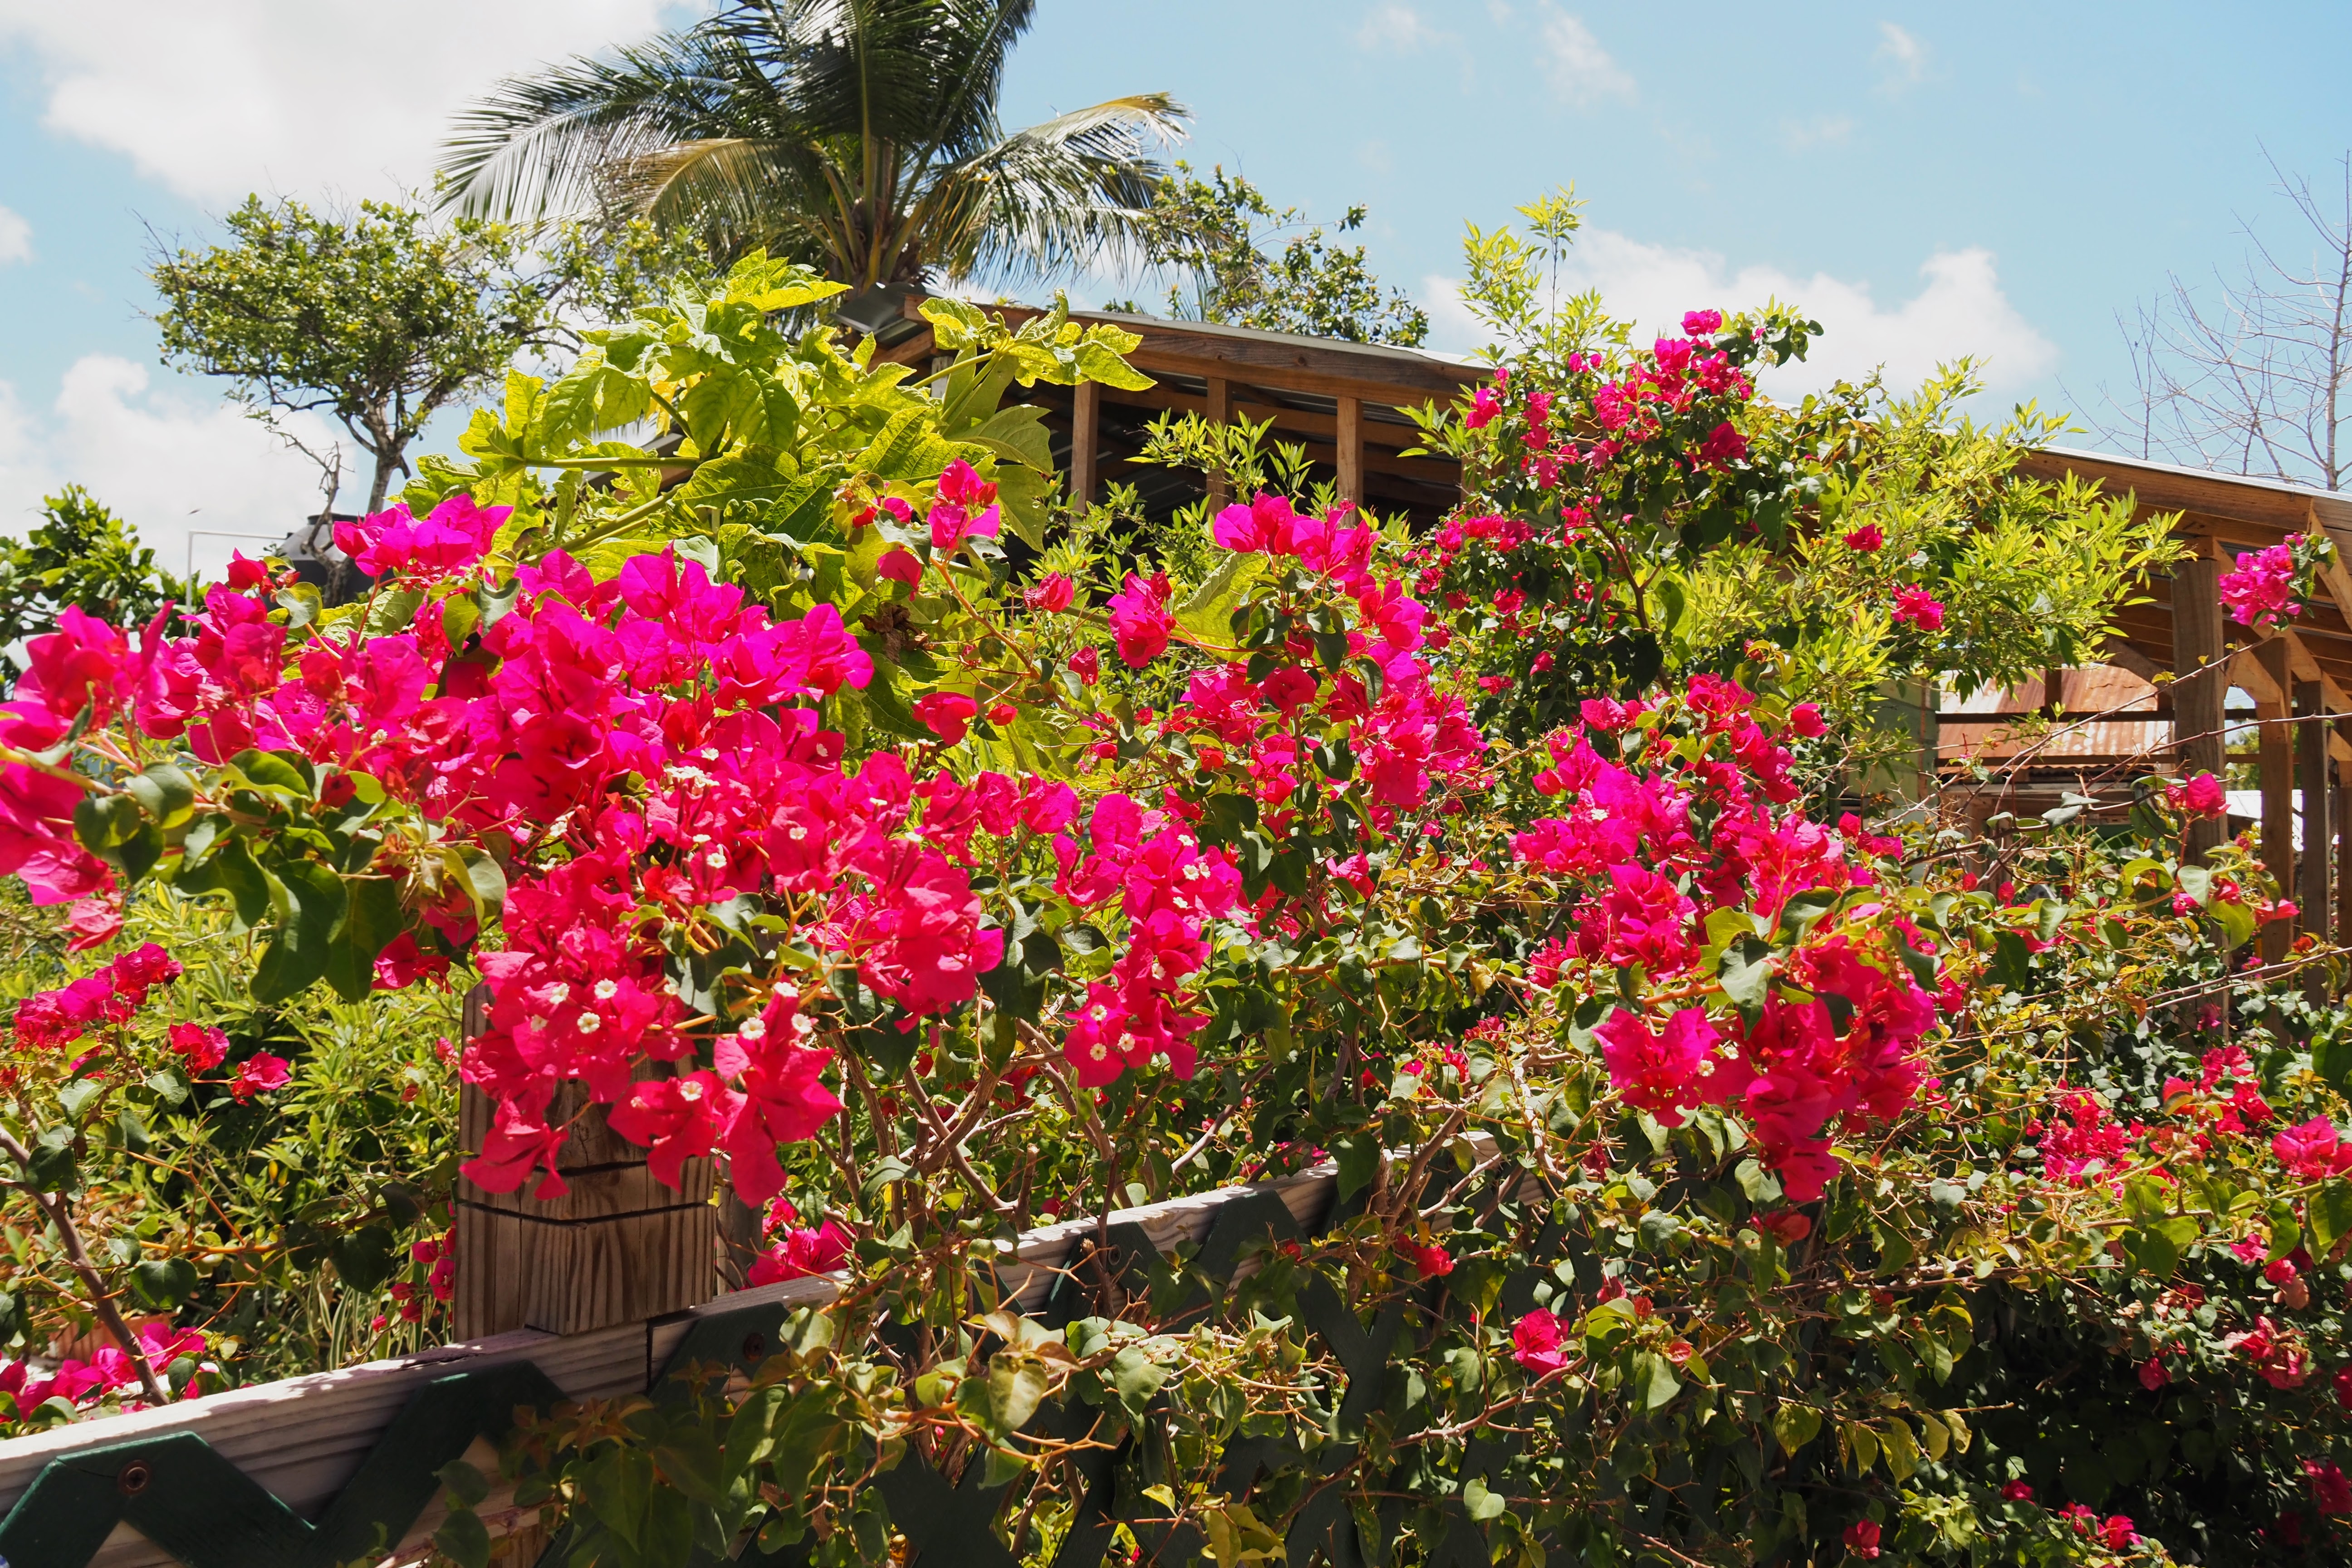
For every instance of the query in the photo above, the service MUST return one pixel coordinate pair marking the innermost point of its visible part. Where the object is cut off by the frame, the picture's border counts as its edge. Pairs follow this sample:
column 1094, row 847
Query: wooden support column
column 2200, row 684
column 1352, row 450
column 2313, row 775
column 1086, row 428
column 2275, row 765
column 2335, row 819
column 617, row 1247
column 1220, row 412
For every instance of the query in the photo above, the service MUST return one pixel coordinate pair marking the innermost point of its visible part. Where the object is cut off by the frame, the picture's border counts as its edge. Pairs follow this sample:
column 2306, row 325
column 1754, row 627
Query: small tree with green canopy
column 1218, row 234
column 79, row 553
column 376, row 318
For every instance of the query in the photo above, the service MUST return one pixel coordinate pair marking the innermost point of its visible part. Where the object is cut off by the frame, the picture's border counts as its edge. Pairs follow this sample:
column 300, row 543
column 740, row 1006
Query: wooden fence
column 338, row 1467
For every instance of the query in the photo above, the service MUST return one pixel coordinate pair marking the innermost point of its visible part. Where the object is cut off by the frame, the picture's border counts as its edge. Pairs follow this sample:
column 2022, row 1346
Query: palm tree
column 860, row 136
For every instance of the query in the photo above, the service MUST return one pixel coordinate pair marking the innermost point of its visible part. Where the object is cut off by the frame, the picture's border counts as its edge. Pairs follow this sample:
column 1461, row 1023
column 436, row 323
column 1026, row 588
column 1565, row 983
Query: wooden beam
column 1220, row 411
column 1350, row 441
column 2312, row 777
column 2201, row 682
column 2275, row 767
column 1086, row 425
column 2343, row 772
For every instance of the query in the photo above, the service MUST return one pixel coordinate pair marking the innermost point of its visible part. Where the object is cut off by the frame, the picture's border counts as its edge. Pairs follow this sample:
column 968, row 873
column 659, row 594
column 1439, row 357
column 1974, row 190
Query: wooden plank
column 2199, row 683
column 304, row 1437
column 2163, row 489
column 2311, row 885
column 1219, row 410
column 1086, row 425
column 2275, row 767
column 1350, row 442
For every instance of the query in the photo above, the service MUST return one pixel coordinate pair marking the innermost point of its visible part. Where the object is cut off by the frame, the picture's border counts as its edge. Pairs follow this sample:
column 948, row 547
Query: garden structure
column 1225, row 1030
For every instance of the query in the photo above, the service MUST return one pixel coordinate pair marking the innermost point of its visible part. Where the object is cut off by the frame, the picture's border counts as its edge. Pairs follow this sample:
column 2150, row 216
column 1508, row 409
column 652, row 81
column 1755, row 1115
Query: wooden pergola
column 2158, row 700
column 1342, row 401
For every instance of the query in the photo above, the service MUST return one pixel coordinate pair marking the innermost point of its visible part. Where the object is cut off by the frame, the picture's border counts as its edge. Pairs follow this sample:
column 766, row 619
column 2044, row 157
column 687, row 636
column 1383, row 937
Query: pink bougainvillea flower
column 1429, row 1260
column 801, row 1251
column 966, row 507
column 1658, row 1071
column 2017, row 1491
column 199, row 1046
column 1805, row 722
column 947, row 714
column 1536, row 1342
column 94, row 921
column 2259, row 589
column 1866, row 540
column 258, row 1074
column 1919, row 607
column 1861, row 1537
column 1702, row 324
column 901, row 566
column 1139, row 622
column 2201, row 797
column 2312, row 1150
column 1049, row 594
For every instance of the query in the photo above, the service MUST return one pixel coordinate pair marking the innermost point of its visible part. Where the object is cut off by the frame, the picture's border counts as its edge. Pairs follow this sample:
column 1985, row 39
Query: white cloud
column 1958, row 309
column 221, row 98
column 1397, row 26
column 173, row 464
column 1822, row 131
column 15, row 237
column 1581, row 70
column 1903, row 59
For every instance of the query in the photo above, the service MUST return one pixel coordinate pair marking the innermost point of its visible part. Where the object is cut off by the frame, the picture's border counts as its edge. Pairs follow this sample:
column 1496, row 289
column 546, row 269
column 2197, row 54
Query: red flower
column 1536, row 1342
column 258, row 1074
column 1919, row 607
column 2117, row 1533
column 2152, row 1374
column 2330, row 1492
column 201, row 1046
column 1049, row 594
column 947, row 714
column 1430, row 1261
column 1866, row 539
column 2018, row 1491
column 1861, row 1537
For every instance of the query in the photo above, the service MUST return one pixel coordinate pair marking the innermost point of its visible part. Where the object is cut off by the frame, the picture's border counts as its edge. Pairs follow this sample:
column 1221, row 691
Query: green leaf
column 463, row 1539
column 2328, row 1216
column 363, row 1257
column 1479, row 1503
column 1358, row 1158
column 164, row 793
column 372, row 918
column 271, row 771
column 303, row 939
column 1796, row 1425
column 161, row 1284
column 1654, row 1382
column 1135, row 1378
column 466, row 1486
column 1745, row 973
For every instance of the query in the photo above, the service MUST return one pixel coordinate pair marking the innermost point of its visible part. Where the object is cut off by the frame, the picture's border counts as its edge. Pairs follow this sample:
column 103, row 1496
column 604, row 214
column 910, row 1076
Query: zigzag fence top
column 339, row 1467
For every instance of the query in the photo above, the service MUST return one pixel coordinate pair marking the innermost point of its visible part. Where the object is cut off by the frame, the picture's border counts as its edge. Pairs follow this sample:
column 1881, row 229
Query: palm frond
column 1075, row 191
column 541, row 144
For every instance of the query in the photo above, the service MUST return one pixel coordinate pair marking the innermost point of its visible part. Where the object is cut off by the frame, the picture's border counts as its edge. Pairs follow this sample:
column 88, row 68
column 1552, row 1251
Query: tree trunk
column 381, row 486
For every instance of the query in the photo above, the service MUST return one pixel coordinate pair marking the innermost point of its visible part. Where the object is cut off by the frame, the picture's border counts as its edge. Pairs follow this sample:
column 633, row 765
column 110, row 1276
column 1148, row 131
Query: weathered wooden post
column 2312, row 771
column 1219, row 412
column 618, row 1247
column 2275, row 764
column 1086, row 437
column 1351, row 437
column 2201, row 683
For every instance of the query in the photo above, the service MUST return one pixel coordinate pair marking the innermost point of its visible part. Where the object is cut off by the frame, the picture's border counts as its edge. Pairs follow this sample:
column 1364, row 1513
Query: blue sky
column 1930, row 181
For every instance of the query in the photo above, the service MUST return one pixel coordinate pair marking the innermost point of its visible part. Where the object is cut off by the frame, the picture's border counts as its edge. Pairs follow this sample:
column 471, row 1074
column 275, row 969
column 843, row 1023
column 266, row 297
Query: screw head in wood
column 133, row 1478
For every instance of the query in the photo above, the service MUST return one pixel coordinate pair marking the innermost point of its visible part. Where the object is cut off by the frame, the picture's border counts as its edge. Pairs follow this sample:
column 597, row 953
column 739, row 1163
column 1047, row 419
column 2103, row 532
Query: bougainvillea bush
column 1733, row 1173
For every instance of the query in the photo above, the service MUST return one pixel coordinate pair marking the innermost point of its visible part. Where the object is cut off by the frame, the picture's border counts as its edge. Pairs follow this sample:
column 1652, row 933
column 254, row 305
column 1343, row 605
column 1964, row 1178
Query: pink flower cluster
column 1169, row 887
column 2261, row 588
column 51, row 1020
column 108, row 1371
column 799, row 1250
column 1649, row 874
column 1408, row 738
